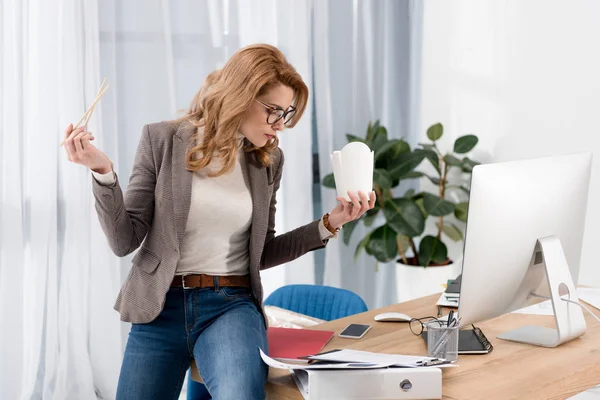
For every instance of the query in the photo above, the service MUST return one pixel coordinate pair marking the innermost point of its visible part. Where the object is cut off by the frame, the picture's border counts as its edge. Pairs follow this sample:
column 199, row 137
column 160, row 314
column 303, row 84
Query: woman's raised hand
column 81, row 151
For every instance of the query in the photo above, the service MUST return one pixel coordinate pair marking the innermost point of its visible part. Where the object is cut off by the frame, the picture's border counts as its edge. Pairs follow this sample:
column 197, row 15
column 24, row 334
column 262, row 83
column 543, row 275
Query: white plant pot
column 413, row 282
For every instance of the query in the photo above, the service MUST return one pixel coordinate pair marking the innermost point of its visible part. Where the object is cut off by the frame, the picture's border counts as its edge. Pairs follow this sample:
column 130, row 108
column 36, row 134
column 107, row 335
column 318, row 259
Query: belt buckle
column 183, row 282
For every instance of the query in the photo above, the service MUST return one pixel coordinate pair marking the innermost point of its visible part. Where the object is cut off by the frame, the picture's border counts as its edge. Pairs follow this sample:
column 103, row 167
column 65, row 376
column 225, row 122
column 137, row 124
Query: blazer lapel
column 181, row 179
column 257, row 176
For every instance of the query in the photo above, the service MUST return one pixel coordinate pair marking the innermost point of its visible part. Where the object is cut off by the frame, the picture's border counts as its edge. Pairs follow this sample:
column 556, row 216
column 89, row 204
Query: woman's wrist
column 332, row 226
column 105, row 169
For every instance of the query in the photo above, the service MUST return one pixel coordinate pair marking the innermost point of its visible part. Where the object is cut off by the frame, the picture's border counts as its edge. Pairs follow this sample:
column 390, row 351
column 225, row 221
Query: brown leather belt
column 207, row 281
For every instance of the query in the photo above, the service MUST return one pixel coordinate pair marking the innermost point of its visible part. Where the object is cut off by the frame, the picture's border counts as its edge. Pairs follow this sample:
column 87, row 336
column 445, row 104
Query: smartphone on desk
column 355, row 331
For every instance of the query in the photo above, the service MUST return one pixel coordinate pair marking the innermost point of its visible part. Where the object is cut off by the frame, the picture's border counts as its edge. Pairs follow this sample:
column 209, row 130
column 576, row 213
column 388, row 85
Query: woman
column 201, row 203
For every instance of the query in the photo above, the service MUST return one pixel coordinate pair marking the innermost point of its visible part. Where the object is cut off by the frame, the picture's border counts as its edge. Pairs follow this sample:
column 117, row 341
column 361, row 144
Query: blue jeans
column 221, row 328
column 196, row 390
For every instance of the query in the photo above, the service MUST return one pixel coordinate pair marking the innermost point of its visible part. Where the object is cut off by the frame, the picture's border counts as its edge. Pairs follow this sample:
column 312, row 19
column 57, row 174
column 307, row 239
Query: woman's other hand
column 347, row 211
column 81, row 151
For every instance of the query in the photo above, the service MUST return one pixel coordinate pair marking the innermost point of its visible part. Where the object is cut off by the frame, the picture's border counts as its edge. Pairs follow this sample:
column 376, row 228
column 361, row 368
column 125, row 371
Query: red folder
column 290, row 343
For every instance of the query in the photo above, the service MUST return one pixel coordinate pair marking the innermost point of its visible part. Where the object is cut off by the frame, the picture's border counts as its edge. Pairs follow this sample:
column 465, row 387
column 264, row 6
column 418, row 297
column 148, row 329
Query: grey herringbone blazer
column 154, row 210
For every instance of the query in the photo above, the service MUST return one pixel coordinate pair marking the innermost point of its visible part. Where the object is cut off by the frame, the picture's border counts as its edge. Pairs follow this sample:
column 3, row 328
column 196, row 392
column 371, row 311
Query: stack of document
column 447, row 301
column 356, row 359
column 353, row 374
column 451, row 295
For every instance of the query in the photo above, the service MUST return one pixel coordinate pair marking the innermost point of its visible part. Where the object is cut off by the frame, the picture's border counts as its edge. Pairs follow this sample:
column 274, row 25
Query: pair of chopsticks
column 88, row 114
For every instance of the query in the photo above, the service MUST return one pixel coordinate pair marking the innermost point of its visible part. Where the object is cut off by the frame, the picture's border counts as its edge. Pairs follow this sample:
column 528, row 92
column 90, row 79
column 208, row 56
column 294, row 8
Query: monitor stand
column 570, row 322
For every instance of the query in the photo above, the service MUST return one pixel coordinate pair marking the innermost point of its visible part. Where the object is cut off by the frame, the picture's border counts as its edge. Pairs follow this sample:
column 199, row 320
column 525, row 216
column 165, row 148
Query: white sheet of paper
column 353, row 169
column 543, row 308
column 349, row 365
column 590, row 296
column 396, row 360
column 590, row 394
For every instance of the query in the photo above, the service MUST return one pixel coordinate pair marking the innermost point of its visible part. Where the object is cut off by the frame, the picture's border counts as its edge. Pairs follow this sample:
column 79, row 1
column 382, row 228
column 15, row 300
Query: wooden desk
column 511, row 371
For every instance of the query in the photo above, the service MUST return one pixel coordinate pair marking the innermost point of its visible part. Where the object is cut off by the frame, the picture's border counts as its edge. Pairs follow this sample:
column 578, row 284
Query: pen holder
column 442, row 340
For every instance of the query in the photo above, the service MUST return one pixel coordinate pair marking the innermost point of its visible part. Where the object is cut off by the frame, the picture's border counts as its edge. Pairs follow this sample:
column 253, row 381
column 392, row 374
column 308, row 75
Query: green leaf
column 464, row 144
column 405, row 163
column 435, row 132
column 352, row 138
column 361, row 245
column 404, row 242
column 371, row 131
column 401, row 147
column 348, row 229
column 460, row 187
column 468, row 164
column 379, row 140
column 382, row 244
column 381, row 151
column 432, row 249
column 404, row 217
column 413, row 175
column 437, row 206
column 419, row 202
column 371, row 215
column 387, row 195
column 433, row 159
column 394, row 147
column 453, row 161
column 452, row 231
column 433, row 179
column 409, row 194
column 329, row 181
column 428, row 146
column 461, row 210
column 382, row 178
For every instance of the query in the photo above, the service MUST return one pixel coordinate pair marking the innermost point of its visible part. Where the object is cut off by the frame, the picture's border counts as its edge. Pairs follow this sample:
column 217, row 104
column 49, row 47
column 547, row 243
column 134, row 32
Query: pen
column 434, row 361
column 450, row 317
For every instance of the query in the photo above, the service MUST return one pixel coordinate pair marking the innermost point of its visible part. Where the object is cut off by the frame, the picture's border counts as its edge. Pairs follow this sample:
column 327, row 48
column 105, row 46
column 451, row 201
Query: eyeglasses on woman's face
column 275, row 113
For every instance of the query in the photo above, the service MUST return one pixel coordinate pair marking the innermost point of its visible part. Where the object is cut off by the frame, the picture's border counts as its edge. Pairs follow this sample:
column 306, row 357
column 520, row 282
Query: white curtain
column 59, row 338
column 366, row 62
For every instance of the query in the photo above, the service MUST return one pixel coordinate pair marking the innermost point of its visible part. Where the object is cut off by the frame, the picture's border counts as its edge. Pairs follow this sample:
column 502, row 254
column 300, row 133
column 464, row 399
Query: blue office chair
column 323, row 302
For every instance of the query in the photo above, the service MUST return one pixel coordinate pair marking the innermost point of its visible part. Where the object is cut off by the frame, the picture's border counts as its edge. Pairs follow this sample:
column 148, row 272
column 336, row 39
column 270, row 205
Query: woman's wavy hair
column 221, row 103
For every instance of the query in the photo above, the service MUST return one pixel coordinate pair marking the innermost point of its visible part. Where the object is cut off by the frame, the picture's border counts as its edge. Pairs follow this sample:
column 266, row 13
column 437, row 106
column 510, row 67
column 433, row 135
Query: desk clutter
column 343, row 374
column 451, row 296
column 289, row 344
column 470, row 341
column 386, row 373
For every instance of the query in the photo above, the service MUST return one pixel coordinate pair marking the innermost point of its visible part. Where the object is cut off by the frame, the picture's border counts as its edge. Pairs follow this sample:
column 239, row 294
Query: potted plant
column 406, row 214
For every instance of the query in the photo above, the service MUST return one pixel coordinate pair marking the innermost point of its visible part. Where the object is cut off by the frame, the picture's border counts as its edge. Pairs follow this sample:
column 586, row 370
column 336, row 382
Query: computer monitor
column 523, row 238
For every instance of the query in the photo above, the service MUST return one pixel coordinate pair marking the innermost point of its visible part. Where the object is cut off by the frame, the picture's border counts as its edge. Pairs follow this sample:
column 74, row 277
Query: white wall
column 522, row 75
